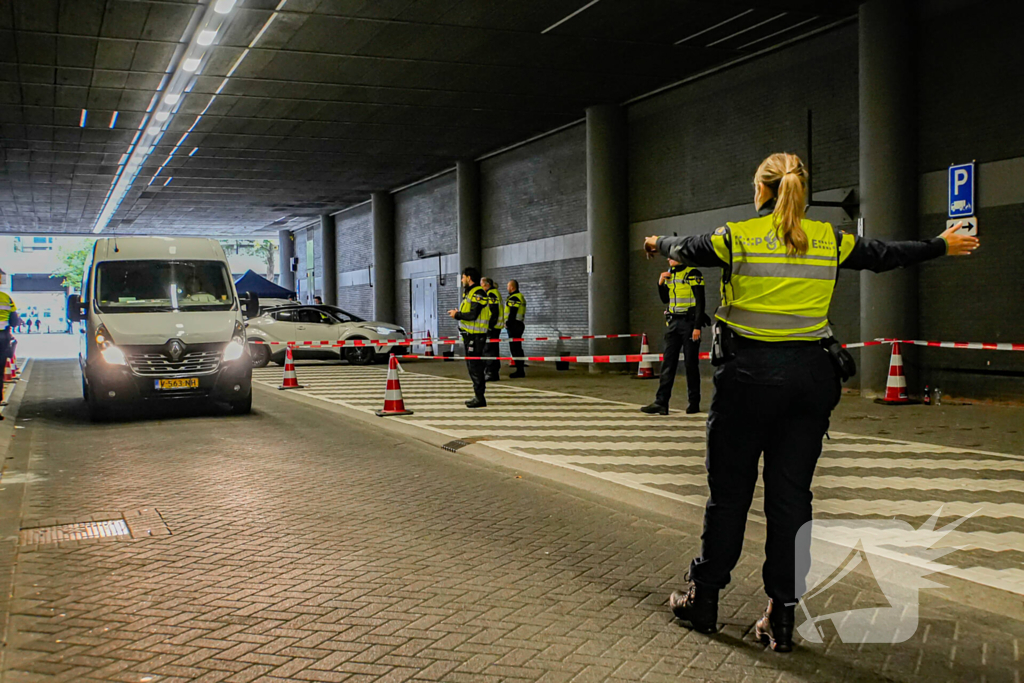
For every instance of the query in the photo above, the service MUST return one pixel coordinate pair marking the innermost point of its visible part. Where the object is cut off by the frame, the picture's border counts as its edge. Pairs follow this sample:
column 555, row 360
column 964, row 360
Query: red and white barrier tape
column 979, row 346
column 625, row 358
column 447, row 341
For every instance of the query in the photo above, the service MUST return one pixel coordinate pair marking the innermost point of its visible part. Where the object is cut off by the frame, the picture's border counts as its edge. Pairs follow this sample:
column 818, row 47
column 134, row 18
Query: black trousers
column 5, row 353
column 475, row 346
column 679, row 337
column 776, row 399
column 493, row 350
column 516, row 329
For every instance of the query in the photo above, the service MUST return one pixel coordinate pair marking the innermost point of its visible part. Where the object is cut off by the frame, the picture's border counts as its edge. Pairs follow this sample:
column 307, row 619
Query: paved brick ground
column 306, row 547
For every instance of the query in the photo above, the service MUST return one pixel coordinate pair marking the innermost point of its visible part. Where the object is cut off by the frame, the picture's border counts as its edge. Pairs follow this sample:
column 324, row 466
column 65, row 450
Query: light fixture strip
column 747, row 29
column 712, row 28
column 567, row 18
column 173, row 85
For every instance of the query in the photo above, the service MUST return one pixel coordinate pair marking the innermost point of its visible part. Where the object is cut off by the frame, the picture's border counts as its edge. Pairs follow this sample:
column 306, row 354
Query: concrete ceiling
column 336, row 99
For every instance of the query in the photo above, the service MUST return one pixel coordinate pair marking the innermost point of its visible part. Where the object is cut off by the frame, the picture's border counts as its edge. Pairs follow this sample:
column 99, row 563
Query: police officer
column 682, row 288
column 8, row 312
column 474, row 316
column 777, row 380
column 515, row 323
column 497, row 324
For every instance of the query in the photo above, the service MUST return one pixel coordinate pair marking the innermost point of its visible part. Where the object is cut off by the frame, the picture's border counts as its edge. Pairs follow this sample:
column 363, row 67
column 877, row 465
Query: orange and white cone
column 645, row 370
column 290, row 380
column 394, row 404
column 8, row 372
column 14, row 366
column 896, row 385
column 429, row 343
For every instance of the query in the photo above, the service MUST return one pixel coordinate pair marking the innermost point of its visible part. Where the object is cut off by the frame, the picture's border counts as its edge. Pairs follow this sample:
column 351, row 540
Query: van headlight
column 235, row 347
column 111, row 354
column 382, row 331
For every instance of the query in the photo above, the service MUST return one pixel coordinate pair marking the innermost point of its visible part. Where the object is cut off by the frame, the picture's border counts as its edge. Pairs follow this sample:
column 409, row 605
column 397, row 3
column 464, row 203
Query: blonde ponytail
column 786, row 176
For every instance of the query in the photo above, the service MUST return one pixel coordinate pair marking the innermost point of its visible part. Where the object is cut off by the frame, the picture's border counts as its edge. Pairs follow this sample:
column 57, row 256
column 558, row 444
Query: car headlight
column 113, row 355
column 235, row 347
column 382, row 331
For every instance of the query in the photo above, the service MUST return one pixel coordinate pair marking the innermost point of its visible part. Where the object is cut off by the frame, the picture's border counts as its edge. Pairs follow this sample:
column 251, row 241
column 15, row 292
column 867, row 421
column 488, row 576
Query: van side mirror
column 75, row 311
column 250, row 305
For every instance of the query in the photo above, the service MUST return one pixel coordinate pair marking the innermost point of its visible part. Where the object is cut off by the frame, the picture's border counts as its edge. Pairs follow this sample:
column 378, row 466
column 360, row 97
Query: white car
column 315, row 324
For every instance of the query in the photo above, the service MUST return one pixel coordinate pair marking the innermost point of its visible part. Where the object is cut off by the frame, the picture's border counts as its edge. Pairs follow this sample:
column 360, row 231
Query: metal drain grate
column 82, row 531
column 455, row 445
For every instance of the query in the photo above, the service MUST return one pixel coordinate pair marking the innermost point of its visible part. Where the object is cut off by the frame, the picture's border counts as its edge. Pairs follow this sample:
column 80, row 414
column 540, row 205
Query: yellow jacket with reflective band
column 495, row 297
column 517, row 301
column 770, row 295
column 680, row 290
column 483, row 321
column 6, row 308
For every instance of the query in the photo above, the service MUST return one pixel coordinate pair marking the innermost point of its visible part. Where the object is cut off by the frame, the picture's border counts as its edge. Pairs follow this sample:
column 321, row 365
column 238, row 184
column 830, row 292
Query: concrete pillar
column 468, row 189
column 607, row 227
column 329, row 255
column 888, row 174
column 286, row 252
column 383, row 217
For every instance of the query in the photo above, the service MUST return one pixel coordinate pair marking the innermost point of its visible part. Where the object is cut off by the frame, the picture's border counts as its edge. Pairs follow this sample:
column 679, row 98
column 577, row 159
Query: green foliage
column 265, row 249
column 72, row 264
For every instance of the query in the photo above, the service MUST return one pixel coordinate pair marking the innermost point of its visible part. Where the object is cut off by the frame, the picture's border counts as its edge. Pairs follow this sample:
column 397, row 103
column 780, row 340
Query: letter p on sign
column 961, row 190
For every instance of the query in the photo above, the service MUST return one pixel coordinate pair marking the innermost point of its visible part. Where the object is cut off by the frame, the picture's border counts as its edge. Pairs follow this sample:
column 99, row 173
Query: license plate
column 186, row 383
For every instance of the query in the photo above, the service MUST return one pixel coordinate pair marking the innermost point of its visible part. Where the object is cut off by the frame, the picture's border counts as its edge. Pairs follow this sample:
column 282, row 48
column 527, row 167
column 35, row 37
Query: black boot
column 478, row 402
column 519, row 373
column 775, row 628
column 692, row 408
column 655, row 409
column 698, row 605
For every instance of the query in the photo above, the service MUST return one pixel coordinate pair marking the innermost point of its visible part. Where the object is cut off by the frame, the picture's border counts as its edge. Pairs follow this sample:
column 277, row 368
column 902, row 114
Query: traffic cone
column 8, row 373
column 896, row 385
column 14, row 366
column 394, row 404
column 290, row 380
column 429, row 352
column 646, row 369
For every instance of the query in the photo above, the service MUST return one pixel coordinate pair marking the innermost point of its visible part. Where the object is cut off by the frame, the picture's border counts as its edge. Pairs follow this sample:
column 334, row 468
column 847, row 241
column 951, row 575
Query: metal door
column 424, row 310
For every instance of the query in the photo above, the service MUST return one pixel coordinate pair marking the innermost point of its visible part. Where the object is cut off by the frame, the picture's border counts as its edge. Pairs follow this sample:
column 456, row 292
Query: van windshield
column 158, row 286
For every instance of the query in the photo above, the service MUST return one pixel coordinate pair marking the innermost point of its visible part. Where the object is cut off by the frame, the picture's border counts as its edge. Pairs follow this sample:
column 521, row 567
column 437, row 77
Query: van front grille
column 157, row 364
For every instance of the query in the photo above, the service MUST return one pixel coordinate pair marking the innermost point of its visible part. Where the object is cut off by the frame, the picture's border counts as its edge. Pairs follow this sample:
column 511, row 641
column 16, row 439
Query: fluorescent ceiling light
column 193, row 151
column 81, row 121
column 162, row 115
column 206, row 37
column 113, row 120
column 567, row 18
column 168, row 181
column 154, row 130
column 223, row 6
column 172, row 98
column 190, row 64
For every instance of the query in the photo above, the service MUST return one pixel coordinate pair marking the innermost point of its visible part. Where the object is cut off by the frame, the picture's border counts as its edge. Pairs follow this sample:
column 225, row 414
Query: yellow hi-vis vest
column 518, row 302
column 483, row 321
column 680, row 289
column 771, row 296
column 7, row 307
column 495, row 296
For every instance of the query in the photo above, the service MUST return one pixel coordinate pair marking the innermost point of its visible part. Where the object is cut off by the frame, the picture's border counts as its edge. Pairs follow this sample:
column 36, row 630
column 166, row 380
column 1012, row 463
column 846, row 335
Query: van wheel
column 260, row 355
column 243, row 406
column 98, row 411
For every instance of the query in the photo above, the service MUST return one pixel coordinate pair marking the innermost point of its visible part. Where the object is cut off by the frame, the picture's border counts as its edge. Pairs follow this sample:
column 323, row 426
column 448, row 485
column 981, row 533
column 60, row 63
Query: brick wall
column 426, row 217
column 535, row 191
column 354, row 244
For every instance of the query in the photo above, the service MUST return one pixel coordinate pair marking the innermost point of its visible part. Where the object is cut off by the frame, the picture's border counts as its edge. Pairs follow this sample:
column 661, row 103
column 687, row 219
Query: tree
column 268, row 250
column 72, row 264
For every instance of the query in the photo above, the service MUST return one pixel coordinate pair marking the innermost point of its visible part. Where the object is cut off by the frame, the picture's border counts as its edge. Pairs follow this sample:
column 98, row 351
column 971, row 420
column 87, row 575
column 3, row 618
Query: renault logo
column 175, row 350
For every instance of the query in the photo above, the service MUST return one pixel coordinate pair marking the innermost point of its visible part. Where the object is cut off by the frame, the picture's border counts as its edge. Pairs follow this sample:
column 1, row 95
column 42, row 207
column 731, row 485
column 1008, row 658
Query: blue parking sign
column 961, row 190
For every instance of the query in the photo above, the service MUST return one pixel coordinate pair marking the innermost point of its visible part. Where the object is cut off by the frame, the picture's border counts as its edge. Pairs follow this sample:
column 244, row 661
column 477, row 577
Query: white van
column 163, row 321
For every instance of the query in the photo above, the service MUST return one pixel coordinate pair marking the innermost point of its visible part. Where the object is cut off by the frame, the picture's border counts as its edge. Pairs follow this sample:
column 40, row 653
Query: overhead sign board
column 961, row 190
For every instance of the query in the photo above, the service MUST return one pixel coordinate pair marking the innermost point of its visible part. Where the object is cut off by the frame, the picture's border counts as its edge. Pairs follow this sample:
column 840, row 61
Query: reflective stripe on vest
column 680, row 292
column 6, row 306
column 495, row 297
column 772, row 296
column 483, row 321
column 517, row 301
